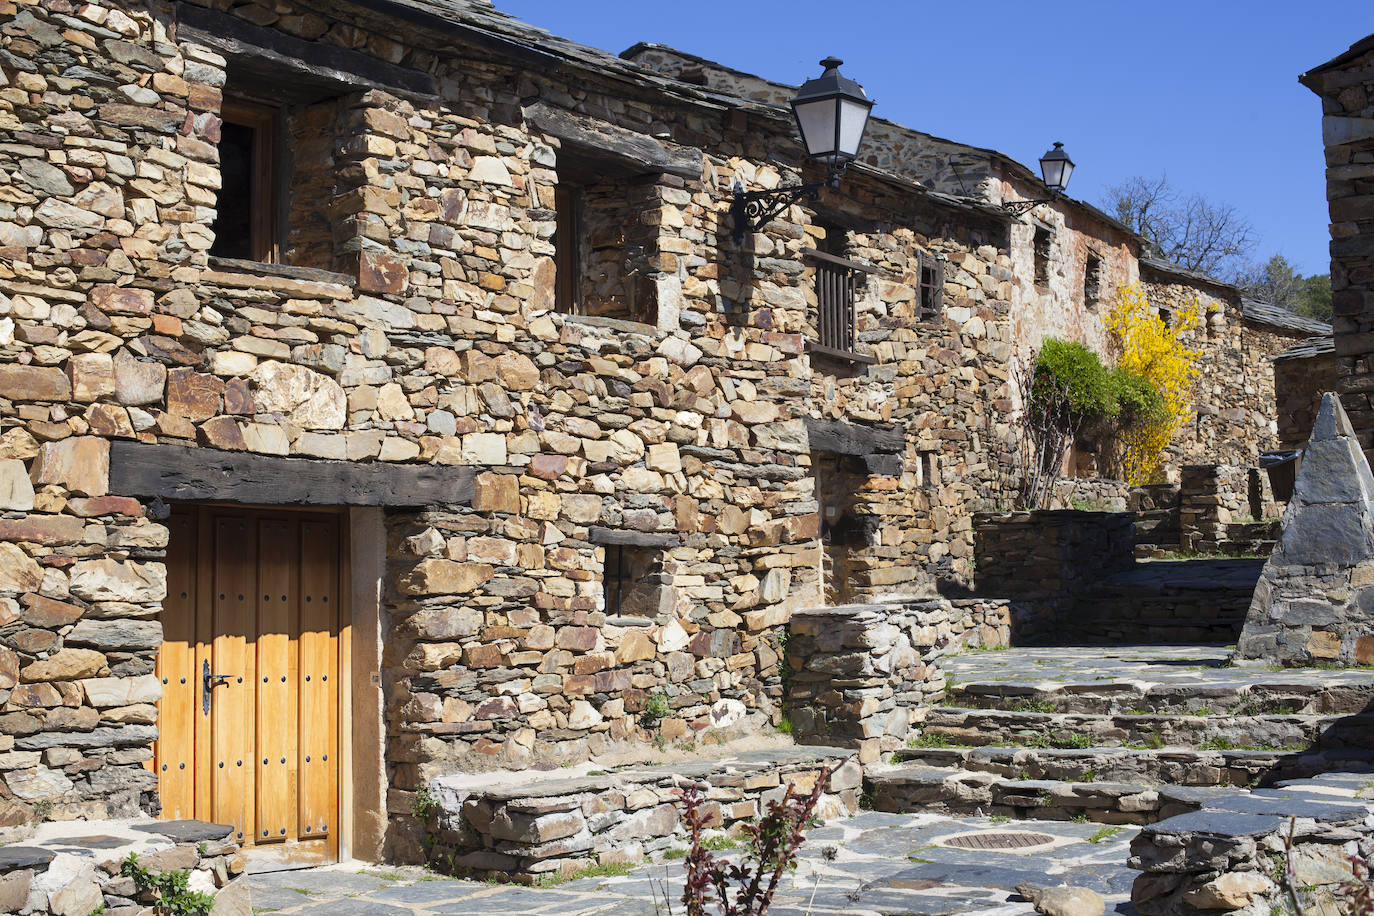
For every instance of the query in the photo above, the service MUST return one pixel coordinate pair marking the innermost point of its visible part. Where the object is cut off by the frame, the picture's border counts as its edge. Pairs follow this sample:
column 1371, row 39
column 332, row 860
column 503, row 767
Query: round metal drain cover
column 997, row 840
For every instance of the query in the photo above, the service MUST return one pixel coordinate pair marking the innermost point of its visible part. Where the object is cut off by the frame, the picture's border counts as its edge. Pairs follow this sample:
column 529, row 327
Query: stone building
column 382, row 396
column 1346, row 87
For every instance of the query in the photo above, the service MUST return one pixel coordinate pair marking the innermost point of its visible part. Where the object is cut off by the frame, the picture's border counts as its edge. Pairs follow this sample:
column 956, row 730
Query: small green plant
column 656, row 707
column 1076, row 740
column 785, row 725
column 425, row 806
column 1080, row 817
column 1106, row 833
column 720, row 841
column 999, row 818
column 1218, row 743
column 1088, row 775
column 1201, row 711
column 1036, row 706
column 170, row 891
column 677, row 852
column 929, row 739
column 785, row 672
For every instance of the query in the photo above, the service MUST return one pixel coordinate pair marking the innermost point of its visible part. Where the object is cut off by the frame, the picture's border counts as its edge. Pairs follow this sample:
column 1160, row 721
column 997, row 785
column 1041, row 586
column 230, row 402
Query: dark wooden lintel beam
column 179, row 473
column 841, row 438
column 302, row 67
column 612, row 536
column 639, row 152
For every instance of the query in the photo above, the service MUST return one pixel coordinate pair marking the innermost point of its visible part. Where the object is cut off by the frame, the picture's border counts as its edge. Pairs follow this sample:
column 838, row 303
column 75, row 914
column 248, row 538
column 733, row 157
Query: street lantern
column 1055, row 169
column 832, row 114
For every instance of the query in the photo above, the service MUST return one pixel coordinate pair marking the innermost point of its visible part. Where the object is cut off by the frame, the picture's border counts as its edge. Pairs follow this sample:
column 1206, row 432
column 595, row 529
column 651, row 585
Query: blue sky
column 1204, row 91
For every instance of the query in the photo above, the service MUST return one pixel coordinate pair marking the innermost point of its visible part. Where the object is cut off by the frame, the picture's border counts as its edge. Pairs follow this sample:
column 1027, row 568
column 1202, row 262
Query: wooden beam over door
column 843, row 438
column 177, row 473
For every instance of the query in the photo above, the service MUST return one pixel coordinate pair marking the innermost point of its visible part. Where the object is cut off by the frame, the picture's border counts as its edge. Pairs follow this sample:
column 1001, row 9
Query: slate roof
column 1278, row 317
column 1306, row 349
column 1178, row 270
column 1355, row 50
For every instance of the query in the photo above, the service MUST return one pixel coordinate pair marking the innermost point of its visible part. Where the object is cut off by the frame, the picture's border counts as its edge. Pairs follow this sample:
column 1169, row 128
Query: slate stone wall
column 432, row 340
column 1346, row 88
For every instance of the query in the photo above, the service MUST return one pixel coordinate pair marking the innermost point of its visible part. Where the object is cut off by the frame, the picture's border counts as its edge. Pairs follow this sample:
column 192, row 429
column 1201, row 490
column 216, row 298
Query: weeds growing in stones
column 770, row 847
column 1106, row 833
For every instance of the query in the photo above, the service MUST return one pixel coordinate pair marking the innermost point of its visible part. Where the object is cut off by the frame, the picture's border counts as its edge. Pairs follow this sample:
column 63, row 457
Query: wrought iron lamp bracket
column 1022, row 207
column 755, row 209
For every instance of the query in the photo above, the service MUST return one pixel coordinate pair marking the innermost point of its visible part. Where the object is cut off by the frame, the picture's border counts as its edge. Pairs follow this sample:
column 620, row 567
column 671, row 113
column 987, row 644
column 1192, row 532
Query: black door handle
column 208, row 682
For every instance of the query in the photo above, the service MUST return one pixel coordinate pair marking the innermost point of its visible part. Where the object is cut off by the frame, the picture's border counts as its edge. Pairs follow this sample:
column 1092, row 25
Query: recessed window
column 1167, row 316
column 246, row 215
column 931, row 288
column 929, row 470
column 632, row 580
column 1042, row 255
column 1092, row 281
column 603, row 248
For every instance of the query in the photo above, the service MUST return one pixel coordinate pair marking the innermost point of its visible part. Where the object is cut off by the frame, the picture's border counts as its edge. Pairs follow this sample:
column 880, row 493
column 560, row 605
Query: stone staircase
column 1118, row 736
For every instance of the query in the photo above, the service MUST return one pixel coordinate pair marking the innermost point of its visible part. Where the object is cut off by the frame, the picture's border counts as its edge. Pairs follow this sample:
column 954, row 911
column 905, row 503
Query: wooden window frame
column 930, row 289
column 567, row 242
column 836, row 280
column 265, row 122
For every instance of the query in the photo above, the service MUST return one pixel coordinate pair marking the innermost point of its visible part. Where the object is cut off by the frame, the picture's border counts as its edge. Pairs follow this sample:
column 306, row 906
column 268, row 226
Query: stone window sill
column 285, row 271
column 614, row 324
column 846, row 356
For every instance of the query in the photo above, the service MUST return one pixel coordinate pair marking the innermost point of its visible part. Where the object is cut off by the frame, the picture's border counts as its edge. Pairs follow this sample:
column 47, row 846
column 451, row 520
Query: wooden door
column 250, row 710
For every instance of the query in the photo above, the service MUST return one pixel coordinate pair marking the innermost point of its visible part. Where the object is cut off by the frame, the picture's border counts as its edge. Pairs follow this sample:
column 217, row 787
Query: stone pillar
column 1346, row 87
column 1315, row 599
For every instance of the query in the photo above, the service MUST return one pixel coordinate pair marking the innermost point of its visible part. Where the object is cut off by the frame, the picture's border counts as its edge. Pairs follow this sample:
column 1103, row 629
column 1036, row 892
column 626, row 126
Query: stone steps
column 911, row 787
column 1118, row 697
column 1175, row 766
column 979, row 727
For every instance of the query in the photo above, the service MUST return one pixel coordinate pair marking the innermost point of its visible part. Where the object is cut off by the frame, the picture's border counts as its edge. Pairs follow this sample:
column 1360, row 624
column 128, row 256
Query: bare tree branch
column 1189, row 229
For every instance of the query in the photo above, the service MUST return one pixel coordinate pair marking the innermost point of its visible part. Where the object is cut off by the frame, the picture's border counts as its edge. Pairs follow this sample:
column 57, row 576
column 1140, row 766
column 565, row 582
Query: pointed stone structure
column 1314, row 603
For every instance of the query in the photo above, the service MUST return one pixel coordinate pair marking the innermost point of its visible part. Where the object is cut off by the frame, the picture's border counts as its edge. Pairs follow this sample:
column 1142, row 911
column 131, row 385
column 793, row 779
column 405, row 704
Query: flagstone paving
column 867, row 865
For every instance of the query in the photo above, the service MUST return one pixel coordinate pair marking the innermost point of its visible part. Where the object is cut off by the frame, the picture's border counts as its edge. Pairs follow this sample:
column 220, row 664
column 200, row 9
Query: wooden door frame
column 341, row 842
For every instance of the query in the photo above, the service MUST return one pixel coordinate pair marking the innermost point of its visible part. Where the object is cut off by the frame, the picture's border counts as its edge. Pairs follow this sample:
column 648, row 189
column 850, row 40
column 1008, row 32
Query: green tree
column 1273, row 282
column 1314, row 297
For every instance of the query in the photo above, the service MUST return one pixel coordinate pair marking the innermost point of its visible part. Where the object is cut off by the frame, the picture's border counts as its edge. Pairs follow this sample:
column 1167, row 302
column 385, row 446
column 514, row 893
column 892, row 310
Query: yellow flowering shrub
column 1157, row 352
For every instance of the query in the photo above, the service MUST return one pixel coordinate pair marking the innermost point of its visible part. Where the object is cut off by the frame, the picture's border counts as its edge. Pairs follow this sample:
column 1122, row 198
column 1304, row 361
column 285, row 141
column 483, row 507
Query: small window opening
column 1042, row 255
column 929, row 470
column 246, row 215
column 604, row 251
column 632, row 581
column 931, row 289
column 1167, row 316
column 1092, row 282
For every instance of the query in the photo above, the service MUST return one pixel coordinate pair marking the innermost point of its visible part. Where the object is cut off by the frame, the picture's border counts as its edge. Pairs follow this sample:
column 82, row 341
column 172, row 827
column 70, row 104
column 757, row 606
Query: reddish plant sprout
column 770, row 844
column 1356, row 896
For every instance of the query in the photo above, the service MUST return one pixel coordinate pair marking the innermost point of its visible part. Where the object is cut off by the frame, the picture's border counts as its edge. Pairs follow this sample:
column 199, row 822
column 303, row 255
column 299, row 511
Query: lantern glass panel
column 817, row 122
column 853, row 120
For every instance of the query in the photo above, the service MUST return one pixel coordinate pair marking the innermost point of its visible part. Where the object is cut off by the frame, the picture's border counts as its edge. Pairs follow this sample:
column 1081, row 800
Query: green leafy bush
column 1071, row 381
column 1138, row 400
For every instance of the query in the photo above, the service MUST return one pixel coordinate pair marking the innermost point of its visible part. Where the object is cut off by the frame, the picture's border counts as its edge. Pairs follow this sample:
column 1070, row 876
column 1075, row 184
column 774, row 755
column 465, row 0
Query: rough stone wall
column 436, row 346
column 1299, row 384
column 1041, row 560
column 1234, row 419
column 863, row 675
column 1346, row 88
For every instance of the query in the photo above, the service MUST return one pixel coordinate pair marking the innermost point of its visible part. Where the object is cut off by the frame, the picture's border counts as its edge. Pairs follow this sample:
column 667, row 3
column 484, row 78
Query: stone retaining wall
column 1041, row 560
column 560, row 826
column 1228, row 857
column 75, row 869
column 862, row 675
column 1214, row 498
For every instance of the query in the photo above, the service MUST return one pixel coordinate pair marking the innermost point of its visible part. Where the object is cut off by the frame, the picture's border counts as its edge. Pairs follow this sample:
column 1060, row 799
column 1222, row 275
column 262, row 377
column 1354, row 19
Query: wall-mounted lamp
column 1055, row 169
column 832, row 115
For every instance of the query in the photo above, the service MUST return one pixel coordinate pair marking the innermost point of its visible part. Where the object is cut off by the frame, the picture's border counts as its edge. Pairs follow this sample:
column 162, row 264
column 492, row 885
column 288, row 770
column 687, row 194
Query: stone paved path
column 885, row 864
